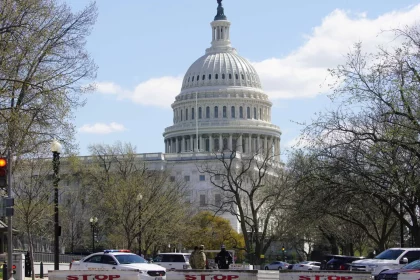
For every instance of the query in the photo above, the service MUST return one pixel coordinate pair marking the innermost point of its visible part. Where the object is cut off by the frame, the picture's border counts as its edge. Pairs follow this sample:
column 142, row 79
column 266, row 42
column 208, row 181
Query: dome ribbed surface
column 221, row 68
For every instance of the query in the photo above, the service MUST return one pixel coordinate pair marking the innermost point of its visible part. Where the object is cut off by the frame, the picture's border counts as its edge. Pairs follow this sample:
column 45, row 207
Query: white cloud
column 302, row 73
column 158, row 92
column 102, row 128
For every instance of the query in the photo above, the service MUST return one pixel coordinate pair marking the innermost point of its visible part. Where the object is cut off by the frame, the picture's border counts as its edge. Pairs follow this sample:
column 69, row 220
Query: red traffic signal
column 3, row 172
column 14, row 266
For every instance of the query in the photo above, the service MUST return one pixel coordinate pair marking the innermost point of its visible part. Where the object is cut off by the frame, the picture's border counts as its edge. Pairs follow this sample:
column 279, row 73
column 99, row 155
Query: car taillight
column 342, row 267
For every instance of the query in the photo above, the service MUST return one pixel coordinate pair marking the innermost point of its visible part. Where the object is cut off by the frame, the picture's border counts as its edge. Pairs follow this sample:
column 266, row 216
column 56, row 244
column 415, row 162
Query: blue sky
column 143, row 49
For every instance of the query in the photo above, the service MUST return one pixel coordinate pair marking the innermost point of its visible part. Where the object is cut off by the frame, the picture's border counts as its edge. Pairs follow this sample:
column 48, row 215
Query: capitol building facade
column 221, row 108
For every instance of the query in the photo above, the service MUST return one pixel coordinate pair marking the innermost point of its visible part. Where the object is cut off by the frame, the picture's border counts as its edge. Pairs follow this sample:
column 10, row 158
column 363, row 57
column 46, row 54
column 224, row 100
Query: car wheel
column 280, row 268
column 266, row 268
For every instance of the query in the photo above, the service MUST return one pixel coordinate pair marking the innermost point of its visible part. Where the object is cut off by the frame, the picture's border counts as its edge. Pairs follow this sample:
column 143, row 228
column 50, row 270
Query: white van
column 172, row 261
column 393, row 258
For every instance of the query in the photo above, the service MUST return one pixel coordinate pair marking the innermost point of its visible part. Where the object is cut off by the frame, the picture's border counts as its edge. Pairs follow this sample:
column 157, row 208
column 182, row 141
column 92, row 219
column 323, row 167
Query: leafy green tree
column 44, row 70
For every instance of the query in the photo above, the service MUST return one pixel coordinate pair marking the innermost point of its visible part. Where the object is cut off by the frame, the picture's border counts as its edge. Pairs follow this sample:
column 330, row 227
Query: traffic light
column 282, row 248
column 3, row 172
column 14, row 269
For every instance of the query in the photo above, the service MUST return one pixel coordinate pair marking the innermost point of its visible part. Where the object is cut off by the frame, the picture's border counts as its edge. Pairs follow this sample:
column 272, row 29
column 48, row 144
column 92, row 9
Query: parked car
column 172, row 261
column 393, row 258
column 120, row 260
column 307, row 265
column 339, row 262
column 392, row 274
column 277, row 265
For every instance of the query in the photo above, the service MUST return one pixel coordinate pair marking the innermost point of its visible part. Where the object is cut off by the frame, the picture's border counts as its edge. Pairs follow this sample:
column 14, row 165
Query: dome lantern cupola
column 220, row 31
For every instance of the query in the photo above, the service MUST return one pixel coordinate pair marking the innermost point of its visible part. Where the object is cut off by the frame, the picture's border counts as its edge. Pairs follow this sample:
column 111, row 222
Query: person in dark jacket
column 223, row 258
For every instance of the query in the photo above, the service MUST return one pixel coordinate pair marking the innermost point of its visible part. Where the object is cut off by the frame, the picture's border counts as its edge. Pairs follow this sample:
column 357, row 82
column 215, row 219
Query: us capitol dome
column 222, row 105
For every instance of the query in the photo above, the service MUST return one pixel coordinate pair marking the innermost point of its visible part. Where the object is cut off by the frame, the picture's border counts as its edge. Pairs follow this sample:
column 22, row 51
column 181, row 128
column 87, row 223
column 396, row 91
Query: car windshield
column 126, row 259
column 413, row 265
column 389, row 255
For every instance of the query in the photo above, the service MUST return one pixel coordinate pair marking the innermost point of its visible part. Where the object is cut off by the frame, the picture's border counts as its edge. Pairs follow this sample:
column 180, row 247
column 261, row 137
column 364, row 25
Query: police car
column 120, row 260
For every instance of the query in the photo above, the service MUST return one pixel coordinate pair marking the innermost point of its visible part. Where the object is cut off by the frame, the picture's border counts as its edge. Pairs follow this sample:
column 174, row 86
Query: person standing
column 193, row 257
column 200, row 260
column 223, row 258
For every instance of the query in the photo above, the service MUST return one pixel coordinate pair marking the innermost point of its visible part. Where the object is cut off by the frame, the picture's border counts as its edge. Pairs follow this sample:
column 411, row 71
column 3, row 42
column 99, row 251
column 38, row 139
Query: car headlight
column 372, row 267
column 143, row 272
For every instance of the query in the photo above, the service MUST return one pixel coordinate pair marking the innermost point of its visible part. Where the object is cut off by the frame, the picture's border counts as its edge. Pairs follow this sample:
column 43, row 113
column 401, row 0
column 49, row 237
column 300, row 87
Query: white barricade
column 94, row 275
column 325, row 275
column 223, row 274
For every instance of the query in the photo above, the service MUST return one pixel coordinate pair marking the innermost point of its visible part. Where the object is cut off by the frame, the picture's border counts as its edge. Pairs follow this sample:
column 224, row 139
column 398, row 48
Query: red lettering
column 219, row 277
column 346, row 277
column 303, row 277
column 113, row 277
column 230, row 277
column 72, row 277
column 333, row 277
column 317, row 277
column 85, row 277
column 190, row 277
column 104, row 277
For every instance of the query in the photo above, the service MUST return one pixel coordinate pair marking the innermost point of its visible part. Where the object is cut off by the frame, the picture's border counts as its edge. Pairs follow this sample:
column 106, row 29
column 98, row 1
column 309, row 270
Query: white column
column 265, row 145
column 250, row 143
column 239, row 147
column 258, row 144
column 176, row 145
column 201, row 142
column 230, row 142
column 192, row 143
column 220, row 142
column 182, row 144
column 210, row 143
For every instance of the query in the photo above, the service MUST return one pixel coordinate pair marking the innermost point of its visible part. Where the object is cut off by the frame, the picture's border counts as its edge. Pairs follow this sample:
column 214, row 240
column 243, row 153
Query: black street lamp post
column 56, row 150
column 139, row 199
column 93, row 222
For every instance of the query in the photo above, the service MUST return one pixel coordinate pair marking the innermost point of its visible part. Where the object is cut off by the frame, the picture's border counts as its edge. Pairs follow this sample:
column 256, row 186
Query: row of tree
column 360, row 165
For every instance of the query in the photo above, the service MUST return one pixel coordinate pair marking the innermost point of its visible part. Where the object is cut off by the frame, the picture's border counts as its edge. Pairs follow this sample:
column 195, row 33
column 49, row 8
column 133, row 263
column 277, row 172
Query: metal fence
column 49, row 257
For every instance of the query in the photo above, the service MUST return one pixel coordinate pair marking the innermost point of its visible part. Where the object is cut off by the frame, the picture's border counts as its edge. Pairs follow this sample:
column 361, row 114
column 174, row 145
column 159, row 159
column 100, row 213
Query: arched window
column 255, row 113
column 230, row 76
column 199, row 113
column 217, row 76
column 192, row 79
column 181, row 115
column 248, row 113
column 216, row 112
column 241, row 112
column 207, row 112
column 186, row 114
column 223, row 76
column 192, row 113
column 215, row 145
column 209, row 76
column 243, row 77
column 198, row 77
column 204, row 76
column 236, row 76
column 224, row 112
column 207, row 144
column 232, row 112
